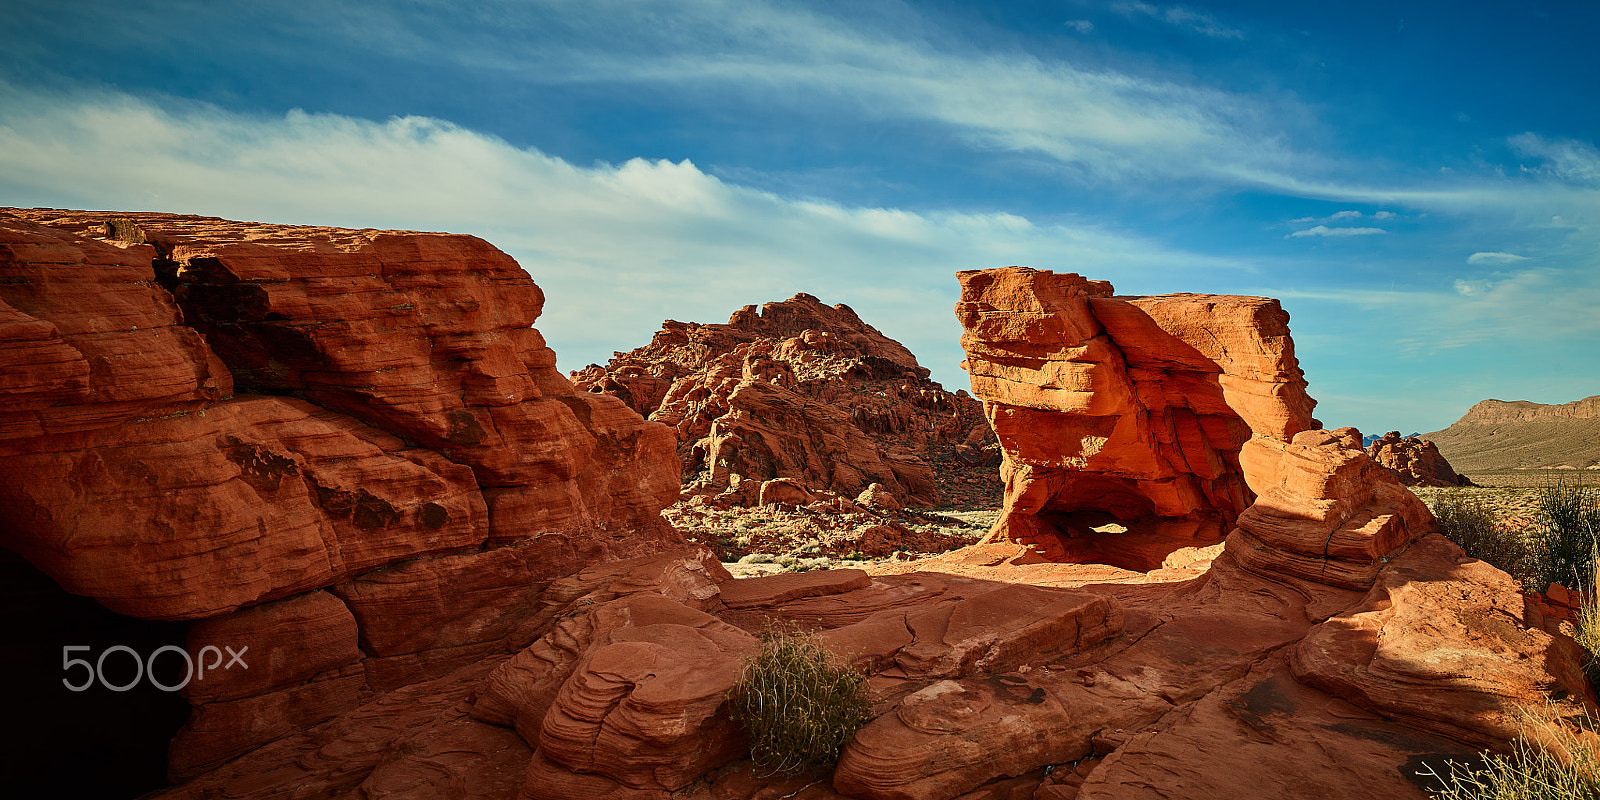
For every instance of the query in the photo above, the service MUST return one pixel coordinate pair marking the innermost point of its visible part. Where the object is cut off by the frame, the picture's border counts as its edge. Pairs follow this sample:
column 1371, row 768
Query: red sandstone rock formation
column 1124, row 412
column 206, row 416
column 803, row 391
column 1334, row 638
column 1415, row 461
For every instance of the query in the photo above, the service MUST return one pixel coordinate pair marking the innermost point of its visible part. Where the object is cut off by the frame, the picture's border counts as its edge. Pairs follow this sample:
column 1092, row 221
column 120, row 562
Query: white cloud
column 1323, row 230
column 654, row 239
column 1197, row 21
column 1100, row 123
column 1344, row 215
column 1080, row 25
column 1495, row 258
column 1384, row 215
column 1564, row 159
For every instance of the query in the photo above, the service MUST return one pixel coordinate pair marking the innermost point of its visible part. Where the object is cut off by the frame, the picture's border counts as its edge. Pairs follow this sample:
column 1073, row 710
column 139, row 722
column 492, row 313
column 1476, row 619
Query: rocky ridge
column 1499, row 435
column 810, row 396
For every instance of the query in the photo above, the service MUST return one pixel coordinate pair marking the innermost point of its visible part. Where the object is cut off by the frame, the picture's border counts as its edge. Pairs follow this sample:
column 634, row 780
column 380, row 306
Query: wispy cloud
column 1080, row 25
column 1514, row 309
column 1323, row 230
column 657, row 239
column 1564, row 159
column 1189, row 19
column 1495, row 258
column 1102, row 124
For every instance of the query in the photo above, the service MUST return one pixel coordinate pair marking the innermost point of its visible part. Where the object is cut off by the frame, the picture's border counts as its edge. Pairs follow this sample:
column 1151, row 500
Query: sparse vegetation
column 1569, row 522
column 1551, row 760
column 1469, row 522
column 798, row 704
column 1555, row 544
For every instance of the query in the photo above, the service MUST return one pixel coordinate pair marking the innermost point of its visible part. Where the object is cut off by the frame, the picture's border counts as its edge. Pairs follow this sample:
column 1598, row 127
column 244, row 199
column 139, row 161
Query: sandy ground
column 768, row 539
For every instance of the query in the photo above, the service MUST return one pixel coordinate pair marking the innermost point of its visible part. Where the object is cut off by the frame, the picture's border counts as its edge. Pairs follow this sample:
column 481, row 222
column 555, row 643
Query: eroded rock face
column 1124, row 414
column 1334, row 636
column 1325, row 512
column 206, row 416
column 1415, row 461
column 803, row 391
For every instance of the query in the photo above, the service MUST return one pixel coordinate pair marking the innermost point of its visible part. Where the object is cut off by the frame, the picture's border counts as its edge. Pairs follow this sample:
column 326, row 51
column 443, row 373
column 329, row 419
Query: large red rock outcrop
column 1334, row 638
column 1124, row 414
column 804, row 391
column 207, row 416
column 1415, row 461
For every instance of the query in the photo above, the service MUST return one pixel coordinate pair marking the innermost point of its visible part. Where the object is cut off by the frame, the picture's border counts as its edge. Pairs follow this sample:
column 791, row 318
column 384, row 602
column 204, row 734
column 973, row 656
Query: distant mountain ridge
column 1518, row 434
column 1490, row 412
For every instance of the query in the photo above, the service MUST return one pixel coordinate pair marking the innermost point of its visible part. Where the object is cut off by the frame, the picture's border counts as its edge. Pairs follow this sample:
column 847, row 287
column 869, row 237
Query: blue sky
column 1417, row 182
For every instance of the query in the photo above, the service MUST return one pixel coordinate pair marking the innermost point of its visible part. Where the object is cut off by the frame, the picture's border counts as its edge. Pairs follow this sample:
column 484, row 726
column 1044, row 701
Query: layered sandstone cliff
column 807, row 392
column 347, row 448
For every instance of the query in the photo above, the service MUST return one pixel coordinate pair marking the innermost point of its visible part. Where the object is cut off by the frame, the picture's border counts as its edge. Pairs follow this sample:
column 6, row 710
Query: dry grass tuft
column 798, row 704
column 1551, row 760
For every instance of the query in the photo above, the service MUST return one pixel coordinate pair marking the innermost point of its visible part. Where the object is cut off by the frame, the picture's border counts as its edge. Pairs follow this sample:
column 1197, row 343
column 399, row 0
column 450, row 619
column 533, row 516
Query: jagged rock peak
column 804, row 391
column 1415, row 461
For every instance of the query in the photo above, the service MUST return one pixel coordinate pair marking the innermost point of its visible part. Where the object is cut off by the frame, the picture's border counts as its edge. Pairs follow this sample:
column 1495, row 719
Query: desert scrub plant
column 1470, row 523
column 798, row 704
column 1569, row 522
column 1550, row 760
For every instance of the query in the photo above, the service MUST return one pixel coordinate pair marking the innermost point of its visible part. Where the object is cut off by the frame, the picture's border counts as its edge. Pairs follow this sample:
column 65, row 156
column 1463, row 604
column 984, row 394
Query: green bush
column 1468, row 522
column 1569, row 522
column 798, row 705
column 1551, row 760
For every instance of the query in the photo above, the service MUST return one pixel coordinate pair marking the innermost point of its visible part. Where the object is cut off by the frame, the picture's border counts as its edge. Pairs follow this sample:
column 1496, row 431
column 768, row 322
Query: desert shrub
column 1468, row 522
column 1551, row 760
column 1569, row 522
column 798, row 704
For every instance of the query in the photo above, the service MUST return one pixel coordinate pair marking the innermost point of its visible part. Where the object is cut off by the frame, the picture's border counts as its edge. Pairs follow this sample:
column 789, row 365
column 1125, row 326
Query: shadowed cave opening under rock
column 1137, row 543
column 91, row 743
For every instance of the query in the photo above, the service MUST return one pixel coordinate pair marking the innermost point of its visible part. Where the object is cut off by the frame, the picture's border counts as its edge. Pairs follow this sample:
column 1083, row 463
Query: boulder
column 879, row 497
column 1442, row 644
column 1326, row 512
column 784, row 490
